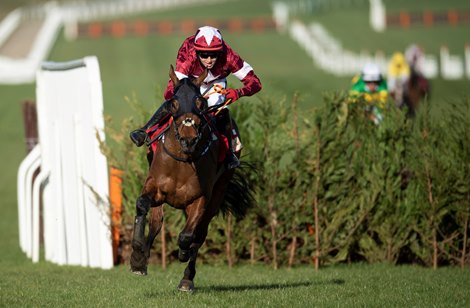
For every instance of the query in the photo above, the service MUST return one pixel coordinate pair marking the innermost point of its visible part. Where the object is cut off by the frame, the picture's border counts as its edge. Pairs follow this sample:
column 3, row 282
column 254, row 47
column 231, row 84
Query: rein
column 189, row 157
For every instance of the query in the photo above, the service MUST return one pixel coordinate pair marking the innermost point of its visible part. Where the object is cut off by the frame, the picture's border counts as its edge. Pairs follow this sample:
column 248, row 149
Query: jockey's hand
column 232, row 94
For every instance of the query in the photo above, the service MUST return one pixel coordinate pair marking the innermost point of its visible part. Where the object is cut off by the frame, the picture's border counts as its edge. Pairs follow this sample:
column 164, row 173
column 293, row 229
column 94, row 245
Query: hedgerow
column 331, row 186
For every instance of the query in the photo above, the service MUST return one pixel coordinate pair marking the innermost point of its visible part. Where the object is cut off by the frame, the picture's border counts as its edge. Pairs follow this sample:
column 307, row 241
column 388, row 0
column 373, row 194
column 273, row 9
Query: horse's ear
column 173, row 76
column 200, row 79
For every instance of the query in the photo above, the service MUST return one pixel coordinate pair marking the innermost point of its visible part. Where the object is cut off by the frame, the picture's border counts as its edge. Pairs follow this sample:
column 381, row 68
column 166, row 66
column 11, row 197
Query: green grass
column 140, row 66
column 25, row 284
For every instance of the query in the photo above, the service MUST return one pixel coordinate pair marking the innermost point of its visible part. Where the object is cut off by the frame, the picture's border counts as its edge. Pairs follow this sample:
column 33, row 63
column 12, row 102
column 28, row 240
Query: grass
column 44, row 284
column 140, row 66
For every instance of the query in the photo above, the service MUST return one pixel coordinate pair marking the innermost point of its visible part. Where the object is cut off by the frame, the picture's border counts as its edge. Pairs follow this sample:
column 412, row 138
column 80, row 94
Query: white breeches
column 213, row 96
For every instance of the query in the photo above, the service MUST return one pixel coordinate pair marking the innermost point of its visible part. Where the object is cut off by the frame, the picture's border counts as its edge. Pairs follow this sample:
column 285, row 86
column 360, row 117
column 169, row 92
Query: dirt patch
column 20, row 42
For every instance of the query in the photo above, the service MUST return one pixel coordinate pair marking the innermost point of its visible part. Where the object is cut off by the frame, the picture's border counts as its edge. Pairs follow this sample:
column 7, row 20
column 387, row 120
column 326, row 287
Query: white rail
column 19, row 71
column 328, row 54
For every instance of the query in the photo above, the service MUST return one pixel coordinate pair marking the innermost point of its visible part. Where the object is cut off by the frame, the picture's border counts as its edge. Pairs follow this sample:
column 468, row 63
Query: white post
column 281, row 15
column 451, row 65
column 467, row 60
column 377, row 15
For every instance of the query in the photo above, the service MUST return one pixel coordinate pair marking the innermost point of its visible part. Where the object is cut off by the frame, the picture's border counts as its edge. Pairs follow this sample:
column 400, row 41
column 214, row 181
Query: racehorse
column 415, row 89
column 187, row 173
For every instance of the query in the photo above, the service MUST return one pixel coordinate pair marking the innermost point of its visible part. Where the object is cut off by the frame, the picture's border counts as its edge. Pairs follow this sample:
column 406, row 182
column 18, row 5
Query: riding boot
column 231, row 160
column 139, row 136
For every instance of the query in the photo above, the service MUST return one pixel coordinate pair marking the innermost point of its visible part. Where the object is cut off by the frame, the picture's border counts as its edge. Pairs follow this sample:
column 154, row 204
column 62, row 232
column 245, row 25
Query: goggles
column 207, row 54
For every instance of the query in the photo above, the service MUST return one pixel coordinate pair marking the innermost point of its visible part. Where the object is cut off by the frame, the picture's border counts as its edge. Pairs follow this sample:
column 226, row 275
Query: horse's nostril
column 188, row 122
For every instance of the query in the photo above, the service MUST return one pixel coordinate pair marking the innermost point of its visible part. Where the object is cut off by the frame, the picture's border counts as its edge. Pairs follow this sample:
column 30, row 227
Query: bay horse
column 187, row 173
column 415, row 90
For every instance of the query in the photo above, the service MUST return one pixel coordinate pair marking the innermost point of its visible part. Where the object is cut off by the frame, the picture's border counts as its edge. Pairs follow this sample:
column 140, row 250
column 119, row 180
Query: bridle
column 198, row 128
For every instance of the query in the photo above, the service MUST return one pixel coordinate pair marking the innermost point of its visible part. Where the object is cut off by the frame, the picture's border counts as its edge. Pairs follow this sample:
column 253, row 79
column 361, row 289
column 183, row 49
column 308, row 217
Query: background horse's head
column 186, row 109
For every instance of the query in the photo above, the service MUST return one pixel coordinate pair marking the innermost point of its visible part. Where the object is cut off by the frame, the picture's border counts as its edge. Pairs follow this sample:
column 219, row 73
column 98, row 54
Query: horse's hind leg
column 139, row 256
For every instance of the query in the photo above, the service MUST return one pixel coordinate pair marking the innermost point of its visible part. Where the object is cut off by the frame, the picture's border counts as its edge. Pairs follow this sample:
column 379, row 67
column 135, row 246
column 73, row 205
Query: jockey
column 415, row 57
column 398, row 75
column 207, row 50
column 372, row 87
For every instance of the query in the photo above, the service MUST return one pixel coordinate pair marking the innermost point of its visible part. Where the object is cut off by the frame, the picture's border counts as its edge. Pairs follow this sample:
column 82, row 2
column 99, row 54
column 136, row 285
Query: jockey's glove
column 232, row 94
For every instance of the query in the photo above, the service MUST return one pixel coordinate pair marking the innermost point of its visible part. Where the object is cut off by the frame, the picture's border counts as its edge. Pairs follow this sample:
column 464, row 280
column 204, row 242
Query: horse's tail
column 239, row 197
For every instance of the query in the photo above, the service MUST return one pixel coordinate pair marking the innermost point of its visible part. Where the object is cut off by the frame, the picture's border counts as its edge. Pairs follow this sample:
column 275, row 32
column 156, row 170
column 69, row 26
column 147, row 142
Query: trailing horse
column 415, row 89
column 187, row 172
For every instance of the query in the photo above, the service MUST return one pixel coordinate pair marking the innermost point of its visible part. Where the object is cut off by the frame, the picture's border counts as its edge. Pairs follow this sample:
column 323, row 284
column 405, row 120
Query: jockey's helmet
column 413, row 54
column 208, row 39
column 371, row 73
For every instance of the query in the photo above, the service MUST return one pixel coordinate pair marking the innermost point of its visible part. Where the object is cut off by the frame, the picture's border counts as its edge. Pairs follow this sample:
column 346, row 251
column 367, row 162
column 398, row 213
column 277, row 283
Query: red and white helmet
column 208, row 39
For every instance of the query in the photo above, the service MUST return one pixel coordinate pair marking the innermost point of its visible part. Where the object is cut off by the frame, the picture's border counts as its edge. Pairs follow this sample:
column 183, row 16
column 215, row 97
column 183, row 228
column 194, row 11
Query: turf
column 139, row 66
column 361, row 285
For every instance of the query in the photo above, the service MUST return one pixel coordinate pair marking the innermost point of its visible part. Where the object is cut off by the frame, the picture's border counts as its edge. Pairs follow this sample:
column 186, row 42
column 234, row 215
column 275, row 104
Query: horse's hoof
column 139, row 272
column 186, row 286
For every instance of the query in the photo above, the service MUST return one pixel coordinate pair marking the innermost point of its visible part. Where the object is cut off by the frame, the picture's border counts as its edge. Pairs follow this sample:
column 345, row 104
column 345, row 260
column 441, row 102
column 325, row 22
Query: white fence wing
column 74, row 174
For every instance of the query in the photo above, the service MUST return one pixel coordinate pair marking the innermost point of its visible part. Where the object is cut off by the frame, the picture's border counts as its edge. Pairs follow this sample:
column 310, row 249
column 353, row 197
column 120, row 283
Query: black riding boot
column 225, row 126
column 139, row 136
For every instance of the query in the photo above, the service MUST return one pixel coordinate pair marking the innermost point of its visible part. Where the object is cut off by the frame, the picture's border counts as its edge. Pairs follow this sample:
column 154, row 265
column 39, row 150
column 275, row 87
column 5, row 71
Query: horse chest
column 179, row 189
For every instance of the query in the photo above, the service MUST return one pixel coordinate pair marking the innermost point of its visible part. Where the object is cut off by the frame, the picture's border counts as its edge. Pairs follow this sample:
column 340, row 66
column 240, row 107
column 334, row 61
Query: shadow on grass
column 252, row 287
column 269, row 286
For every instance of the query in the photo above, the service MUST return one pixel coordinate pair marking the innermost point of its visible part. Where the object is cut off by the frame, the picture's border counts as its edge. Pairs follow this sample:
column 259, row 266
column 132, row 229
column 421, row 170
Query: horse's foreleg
column 187, row 284
column 194, row 214
column 155, row 225
column 139, row 256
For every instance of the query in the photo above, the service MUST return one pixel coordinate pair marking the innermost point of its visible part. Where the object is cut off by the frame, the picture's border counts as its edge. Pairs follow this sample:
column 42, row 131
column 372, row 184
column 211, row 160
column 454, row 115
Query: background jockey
column 415, row 58
column 371, row 87
column 414, row 55
column 397, row 75
column 207, row 49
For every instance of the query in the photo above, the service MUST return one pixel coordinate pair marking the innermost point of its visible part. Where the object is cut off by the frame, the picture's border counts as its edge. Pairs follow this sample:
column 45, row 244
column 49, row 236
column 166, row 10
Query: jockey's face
column 208, row 59
column 372, row 86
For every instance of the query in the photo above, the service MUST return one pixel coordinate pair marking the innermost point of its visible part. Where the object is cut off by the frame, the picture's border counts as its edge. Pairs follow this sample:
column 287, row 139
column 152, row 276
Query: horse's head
column 186, row 109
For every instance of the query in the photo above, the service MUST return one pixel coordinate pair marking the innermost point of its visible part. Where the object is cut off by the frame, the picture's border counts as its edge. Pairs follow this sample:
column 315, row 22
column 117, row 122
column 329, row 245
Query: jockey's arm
column 245, row 73
column 378, row 98
column 251, row 84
